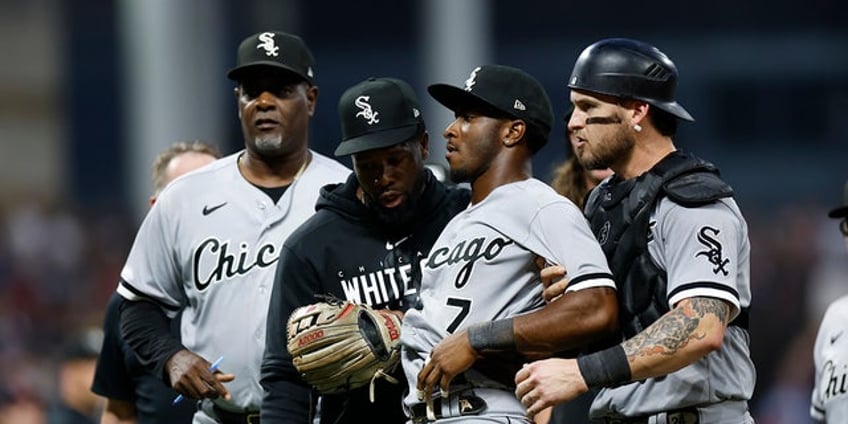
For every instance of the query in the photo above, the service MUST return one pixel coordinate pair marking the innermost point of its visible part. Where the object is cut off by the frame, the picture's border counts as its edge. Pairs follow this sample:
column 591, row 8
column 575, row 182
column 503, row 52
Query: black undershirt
column 275, row 193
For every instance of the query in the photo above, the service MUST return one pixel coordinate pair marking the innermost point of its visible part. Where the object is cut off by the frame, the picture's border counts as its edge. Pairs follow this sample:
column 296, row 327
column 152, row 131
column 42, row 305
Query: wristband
column 492, row 335
column 606, row 368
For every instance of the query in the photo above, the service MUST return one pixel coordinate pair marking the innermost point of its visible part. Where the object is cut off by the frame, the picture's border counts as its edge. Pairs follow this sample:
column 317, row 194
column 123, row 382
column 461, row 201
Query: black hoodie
column 345, row 251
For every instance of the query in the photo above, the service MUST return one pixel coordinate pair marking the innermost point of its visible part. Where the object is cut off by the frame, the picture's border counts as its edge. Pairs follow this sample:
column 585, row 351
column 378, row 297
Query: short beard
column 268, row 145
column 398, row 217
column 609, row 151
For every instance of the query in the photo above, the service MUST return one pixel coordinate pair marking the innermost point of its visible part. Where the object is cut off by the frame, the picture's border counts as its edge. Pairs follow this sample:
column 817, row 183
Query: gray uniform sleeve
column 700, row 250
column 563, row 229
column 151, row 270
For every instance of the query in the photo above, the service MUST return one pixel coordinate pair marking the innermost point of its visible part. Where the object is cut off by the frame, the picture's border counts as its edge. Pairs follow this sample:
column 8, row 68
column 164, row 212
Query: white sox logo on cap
column 472, row 79
column 267, row 39
column 366, row 112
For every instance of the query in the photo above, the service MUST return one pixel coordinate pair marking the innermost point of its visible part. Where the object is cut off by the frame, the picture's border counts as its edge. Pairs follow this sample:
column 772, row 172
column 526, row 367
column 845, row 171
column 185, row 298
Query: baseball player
column 830, row 354
column 133, row 394
column 387, row 215
column 677, row 245
column 481, row 277
column 211, row 242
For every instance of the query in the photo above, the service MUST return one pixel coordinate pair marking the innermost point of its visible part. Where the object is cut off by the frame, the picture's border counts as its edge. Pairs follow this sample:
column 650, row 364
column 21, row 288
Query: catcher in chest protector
column 338, row 345
column 325, row 362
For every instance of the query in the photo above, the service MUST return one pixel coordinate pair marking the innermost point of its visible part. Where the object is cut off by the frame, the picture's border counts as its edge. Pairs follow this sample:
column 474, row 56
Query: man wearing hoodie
column 363, row 244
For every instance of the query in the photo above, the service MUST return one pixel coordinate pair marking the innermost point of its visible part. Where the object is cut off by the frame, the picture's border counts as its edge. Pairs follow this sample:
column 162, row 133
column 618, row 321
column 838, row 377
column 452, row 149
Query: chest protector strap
column 619, row 212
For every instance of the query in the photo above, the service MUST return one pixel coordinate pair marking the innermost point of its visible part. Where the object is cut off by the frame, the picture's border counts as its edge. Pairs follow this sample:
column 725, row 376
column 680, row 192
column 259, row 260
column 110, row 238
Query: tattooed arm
column 687, row 333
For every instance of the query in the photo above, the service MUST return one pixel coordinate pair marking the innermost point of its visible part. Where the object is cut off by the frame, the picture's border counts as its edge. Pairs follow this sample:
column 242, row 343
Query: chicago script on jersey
column 469, row 252
column 224, row 264
column 833, row 379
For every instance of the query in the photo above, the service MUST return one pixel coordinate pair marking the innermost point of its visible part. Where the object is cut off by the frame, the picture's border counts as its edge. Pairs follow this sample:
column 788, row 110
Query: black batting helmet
column 629, row 69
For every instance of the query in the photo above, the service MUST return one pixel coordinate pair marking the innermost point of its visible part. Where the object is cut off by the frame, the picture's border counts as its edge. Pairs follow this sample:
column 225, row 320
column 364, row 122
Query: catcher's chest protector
column 619, row 213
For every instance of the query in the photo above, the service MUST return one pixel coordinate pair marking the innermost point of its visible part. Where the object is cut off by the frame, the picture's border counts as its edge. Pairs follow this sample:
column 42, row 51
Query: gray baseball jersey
column 705, row 252
column 482, row 269
column 830, row 356
column 210, row 244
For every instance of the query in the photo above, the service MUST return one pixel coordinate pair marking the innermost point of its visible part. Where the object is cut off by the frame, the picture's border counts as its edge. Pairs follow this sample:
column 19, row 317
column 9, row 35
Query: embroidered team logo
column 706, row 236
column 518, row 105
column 365, row 110
column 267, row 43
column 472, row 79
column 603, row 235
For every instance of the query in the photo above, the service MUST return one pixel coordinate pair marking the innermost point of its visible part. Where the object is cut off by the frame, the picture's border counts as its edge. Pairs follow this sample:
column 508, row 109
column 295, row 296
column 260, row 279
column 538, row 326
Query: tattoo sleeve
column 674, row 330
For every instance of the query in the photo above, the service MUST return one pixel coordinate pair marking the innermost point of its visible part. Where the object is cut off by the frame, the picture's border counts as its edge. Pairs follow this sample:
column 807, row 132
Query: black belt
column 678, row 416
column 468, row 404
column 227, row 417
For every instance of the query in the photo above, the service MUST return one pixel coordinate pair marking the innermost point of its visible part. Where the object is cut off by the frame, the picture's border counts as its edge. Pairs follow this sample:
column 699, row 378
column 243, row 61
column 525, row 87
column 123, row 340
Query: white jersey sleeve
column 829, row 401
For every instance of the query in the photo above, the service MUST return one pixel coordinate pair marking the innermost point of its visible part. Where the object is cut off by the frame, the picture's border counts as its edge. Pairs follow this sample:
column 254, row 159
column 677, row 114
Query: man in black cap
column 482, row 310
column 209, row 245
column 75, row 403
column 363, row 244
column 830, row 353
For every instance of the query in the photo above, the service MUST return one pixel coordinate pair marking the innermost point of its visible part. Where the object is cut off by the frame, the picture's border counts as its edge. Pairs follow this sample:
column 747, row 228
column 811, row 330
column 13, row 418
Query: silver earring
column 637, row 127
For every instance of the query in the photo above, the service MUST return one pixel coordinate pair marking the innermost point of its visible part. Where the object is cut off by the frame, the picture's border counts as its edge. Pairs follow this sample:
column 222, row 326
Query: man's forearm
column 147, row 330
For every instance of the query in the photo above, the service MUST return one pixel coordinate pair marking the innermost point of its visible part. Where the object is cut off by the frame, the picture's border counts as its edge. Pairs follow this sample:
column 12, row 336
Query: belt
column 677, row 416
column 227, row 417
column 465, row 404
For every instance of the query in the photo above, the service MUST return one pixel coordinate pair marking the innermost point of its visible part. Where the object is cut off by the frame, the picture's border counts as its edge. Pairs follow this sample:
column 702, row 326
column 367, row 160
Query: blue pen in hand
column 212, row 368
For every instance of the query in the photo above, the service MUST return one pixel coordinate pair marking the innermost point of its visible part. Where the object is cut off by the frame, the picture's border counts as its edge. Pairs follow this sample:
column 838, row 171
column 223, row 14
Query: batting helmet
column 630, row 69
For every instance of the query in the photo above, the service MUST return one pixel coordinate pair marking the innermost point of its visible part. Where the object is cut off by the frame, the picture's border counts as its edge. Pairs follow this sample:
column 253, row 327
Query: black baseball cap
column 506, row 89
column 378, row 113
column 84, row 345
column 842, row 211
column 276, row 50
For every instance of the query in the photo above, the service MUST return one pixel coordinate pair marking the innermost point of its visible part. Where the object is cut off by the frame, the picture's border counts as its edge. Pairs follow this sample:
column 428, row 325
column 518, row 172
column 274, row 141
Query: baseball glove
column 338, row 346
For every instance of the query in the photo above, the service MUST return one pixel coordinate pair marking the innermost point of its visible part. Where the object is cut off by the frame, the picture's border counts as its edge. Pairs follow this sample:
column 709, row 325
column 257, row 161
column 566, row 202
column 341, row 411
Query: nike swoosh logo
column 834, row 337
column 390, row 246
column 209, row 209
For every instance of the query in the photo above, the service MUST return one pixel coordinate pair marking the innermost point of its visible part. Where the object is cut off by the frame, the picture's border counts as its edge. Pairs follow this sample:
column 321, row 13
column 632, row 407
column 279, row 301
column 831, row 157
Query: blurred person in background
column 76, row 404
column 132, row 394
column 22, row 411
column 829, row 401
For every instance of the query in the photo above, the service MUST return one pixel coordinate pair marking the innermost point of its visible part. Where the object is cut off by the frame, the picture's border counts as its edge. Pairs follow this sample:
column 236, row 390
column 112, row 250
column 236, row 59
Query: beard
column 401, row 215
column 607, row 151
column 268, row 144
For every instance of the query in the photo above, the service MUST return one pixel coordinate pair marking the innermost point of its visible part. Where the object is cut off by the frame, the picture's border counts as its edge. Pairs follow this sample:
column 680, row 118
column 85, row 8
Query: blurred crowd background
column 91, row 90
